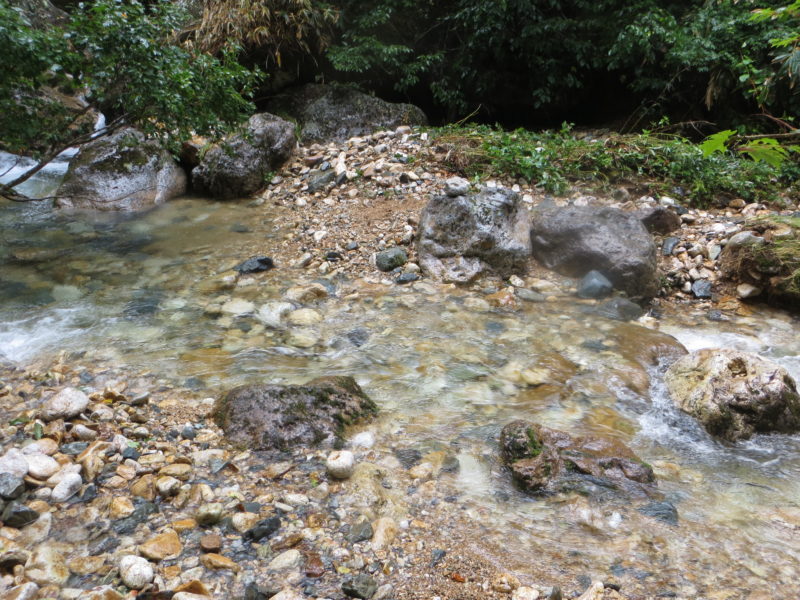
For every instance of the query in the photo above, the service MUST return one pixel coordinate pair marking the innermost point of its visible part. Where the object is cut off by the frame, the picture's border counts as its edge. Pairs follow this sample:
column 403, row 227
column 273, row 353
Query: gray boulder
column 336, row 112
column 461, row 237
column 577, row 239
column 735, row 394
column 278, row 417
column 123, row 171
column 237, row 167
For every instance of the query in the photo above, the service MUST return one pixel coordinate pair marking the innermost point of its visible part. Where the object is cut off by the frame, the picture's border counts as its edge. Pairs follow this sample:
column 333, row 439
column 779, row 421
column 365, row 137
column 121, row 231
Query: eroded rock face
column 735, row 394
column 544, row 460
column 238, row 166
column 123, row 171
column 577, row 239
column 461, row 237
column 277, row 417
column 336, row 112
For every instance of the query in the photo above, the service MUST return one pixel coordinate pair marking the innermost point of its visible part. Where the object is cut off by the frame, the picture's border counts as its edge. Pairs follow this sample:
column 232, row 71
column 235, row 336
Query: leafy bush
column 553, row 160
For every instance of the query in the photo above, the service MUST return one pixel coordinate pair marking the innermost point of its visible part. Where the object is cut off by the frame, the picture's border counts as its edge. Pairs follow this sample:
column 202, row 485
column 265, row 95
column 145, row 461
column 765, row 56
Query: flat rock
column 164, row 546
column 264, row 417
column 66, row 404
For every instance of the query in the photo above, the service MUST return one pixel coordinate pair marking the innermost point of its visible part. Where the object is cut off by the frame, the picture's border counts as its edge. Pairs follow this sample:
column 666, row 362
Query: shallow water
column 445, row 369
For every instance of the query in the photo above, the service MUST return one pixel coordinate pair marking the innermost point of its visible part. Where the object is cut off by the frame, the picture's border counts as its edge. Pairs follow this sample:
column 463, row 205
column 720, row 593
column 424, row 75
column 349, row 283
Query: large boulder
column 337, row 112
column 278, row 417
column 763, row 264
column 238, row 166
column 544, row 460
column 462, row 236
column 577, row 239
column 734, row 394
column 123, row 171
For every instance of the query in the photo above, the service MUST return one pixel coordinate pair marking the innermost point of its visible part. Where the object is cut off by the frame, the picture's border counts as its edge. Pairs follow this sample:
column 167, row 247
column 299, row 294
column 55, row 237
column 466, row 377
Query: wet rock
column 733, row 394
column 594, row 285
column 286, row 561
column 385, row 530
column 408, row 457
column 702, row 288
column 304, row 317
column 545, row 460
column 209, row 514
column 123, row 171
column 263, row 417
column 236, row 167
column 525, row 593
column 163, row 546
column 11, row 486
column 361, row 531
column 46, row 566
column 18, row 515
column 66, row 404
column 406, row 278
column 67, row 487
column 26, row 591
column 135, row 572
column 669, row 245
column 340, row 464
column 263, row 529
column 462, row 237
column 255, row 264
column 337, row 112
column 41, row 466
column 577, row 239
column 620, row 309
column 218, row 562
column 361, row 586
column 659, row 219
column 662, row 511
column 388, row 260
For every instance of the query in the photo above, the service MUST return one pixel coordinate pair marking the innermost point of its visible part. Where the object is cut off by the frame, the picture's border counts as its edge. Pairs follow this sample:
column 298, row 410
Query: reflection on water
column 150, row 291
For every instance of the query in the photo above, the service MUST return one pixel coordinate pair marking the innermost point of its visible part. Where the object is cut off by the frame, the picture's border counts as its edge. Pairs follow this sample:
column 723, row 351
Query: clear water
column 133, row 290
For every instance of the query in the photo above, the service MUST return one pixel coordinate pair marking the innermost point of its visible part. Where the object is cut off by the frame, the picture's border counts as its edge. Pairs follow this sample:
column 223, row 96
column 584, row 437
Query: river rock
column 69, row 485
column 66, row 404
column 18, row 515
column 734, row 394
column 237, row 167
column 544, row 460
column 135, row 572
column 41, row 466
column 577, row 239
column 265, row 417
column 337, row 112
column 340, row 464
column 594, row 285
column 461, row 237
column 26, row 591
column 14, row 463
column 659, row 219
column 164, row 546
column 46, row 566
column 361, row 586
column 286, row 561
column 388, row 260
column 123, row 171
column 11, row 486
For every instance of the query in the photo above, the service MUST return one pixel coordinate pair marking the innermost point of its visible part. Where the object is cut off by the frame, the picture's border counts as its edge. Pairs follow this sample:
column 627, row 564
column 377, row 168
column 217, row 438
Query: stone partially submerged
column 734, row 394
column 577, row 239
column 283, row 417
column 238, row 166
column 123, row 171
column 544, row 460
column 464, row 236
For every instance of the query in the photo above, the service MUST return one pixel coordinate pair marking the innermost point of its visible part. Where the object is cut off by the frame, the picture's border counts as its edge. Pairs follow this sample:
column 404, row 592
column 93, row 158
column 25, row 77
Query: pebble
column 746, row 290
column 525, row 593
column 18, row 515
column 67, row 487
column 594, row 285
column 11, row 486
column 218, row 562
column 361, row 586
column 135, row 572
column 388, row 260
column 162, row 546
column 340, row 464
column 66, row 404
column 211, row 543
column 456, row 186
column 26, row 591
column 286, row 561
column 14, row 463
column 238, row 307
column 305, row 317
column 41, row 466
column 46, row 566
column 385, row 530
column 209, row 514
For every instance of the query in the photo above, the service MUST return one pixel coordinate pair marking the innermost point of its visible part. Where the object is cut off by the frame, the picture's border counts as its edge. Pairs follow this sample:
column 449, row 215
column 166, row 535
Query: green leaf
column 717, row 142
column 767, row 150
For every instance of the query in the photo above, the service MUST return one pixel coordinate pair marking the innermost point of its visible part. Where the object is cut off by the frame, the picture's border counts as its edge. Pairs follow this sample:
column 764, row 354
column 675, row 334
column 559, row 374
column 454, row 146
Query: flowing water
column 445, row 369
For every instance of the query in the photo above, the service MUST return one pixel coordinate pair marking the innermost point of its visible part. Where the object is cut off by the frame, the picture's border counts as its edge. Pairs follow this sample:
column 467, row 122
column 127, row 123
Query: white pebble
column 135, row 571
column 340, row 464
column 67, row 488
column 68, row 403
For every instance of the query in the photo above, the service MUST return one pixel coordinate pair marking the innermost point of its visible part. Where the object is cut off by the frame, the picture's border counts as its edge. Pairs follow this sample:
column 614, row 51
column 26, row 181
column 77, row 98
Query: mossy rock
column 278, row 417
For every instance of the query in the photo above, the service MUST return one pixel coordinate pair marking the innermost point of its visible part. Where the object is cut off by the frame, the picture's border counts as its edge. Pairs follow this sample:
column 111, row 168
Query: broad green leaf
column 768, row 150
column 717, row 142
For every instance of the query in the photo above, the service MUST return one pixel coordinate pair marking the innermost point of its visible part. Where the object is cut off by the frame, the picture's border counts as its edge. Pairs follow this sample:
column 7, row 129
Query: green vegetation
column 782, row 255
column 554, row 160
column 125, row 59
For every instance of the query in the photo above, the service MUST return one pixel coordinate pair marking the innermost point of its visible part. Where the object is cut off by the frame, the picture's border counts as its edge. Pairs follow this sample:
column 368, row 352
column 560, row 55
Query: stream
column 133, row 290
